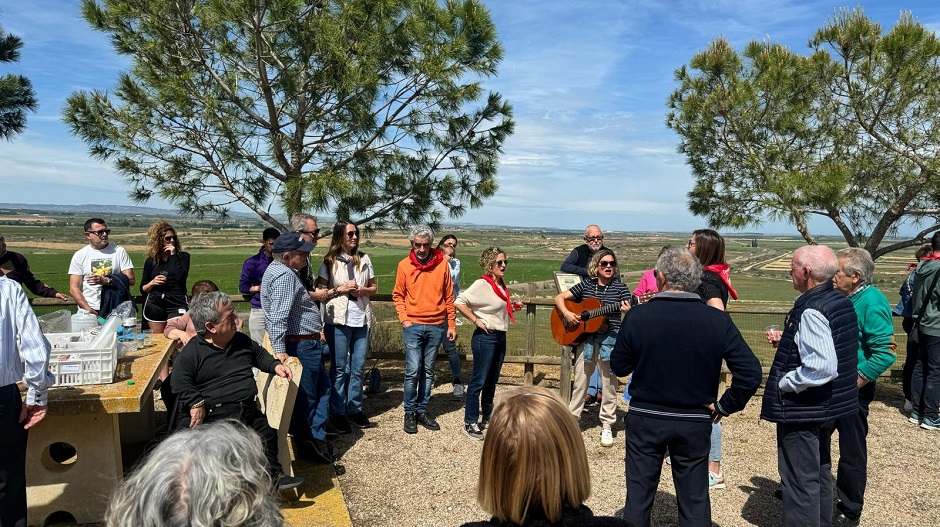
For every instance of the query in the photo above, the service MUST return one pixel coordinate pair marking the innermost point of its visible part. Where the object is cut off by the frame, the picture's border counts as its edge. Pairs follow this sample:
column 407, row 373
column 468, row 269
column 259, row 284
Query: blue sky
column 588, row 82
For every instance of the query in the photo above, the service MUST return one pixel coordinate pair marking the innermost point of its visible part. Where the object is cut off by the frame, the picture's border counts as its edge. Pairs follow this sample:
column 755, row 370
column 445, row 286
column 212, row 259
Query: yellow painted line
column 321, row 503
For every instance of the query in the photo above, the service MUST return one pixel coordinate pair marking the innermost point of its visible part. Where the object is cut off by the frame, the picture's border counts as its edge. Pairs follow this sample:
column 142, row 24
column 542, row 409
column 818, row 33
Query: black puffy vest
column 834, row 399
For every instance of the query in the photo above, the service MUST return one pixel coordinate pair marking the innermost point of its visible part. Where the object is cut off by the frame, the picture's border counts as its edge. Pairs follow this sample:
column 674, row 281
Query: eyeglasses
column 690, row 244
column 352, row 234
column 607, row 263
column 170, row 238
column 594, row 238
column 502, row 262
column 315, row 233
column 100, row 233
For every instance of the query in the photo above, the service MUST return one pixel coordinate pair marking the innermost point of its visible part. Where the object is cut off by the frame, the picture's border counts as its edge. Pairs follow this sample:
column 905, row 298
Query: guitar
column 593, row 319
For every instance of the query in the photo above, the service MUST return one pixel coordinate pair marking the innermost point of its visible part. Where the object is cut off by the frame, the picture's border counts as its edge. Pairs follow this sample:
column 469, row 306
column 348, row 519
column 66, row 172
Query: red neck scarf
column 437, row 256
column 722, row 271
column 502, row 293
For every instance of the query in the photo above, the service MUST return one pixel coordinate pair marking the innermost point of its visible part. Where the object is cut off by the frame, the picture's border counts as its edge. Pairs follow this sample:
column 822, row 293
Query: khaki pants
column 582, row 376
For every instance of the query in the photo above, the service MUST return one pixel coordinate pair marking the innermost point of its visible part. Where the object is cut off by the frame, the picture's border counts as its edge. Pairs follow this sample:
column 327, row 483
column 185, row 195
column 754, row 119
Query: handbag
column 914, row 336
column 375, row 379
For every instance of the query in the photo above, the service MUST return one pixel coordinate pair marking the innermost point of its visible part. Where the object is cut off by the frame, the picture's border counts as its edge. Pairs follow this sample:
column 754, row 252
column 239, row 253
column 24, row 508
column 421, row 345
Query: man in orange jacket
column 424, row 300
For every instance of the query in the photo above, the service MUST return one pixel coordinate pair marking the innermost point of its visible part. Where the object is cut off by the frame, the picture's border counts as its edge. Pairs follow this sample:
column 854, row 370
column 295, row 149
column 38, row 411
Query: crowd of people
column 835, row 344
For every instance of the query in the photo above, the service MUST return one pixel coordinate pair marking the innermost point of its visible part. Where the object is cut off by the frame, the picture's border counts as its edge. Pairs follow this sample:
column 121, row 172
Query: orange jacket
column 424, row 297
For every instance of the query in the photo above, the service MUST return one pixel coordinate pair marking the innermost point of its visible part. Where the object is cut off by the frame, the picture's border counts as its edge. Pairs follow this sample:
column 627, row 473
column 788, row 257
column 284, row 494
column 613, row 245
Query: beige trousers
column 582, row 376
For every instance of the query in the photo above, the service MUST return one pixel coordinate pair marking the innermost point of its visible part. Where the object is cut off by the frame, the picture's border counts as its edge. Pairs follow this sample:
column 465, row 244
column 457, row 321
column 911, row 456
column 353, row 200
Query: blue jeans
column 453, row 357
column 714, row 453
column 489, row 350
column 349, row 345
column 421, row 341
column 313, row 398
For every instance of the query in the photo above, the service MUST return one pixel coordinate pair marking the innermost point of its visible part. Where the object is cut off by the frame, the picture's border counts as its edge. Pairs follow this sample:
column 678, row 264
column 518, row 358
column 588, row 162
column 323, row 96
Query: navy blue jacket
column 834, row 399
column 675, row 344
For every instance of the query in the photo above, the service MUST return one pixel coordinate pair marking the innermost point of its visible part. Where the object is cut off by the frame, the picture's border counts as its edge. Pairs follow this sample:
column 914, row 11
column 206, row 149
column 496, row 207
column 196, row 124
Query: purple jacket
column 15, row 266
column 252, row 272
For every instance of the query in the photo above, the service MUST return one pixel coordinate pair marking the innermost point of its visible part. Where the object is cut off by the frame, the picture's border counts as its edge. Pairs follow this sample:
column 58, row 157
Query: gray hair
column 821, row 261
column 298, row 221
column 682, row 269
column 421, row 231
column 857, row 261
column 207, row 307
column 2, row 239
column 214, row 474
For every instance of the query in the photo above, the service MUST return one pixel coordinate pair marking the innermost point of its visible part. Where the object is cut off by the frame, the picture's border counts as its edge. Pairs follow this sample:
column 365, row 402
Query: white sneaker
column 607, row 438
column 908, row 406
column 458, row 390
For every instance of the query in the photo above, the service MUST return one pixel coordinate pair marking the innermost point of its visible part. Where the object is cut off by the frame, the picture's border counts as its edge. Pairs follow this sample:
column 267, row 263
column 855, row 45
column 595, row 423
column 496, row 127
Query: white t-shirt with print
column 89, row 261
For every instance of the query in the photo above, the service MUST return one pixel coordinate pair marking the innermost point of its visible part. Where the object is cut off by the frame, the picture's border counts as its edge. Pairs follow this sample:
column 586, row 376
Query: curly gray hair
column 421, row 231
column 214, row 474
column 207, row 307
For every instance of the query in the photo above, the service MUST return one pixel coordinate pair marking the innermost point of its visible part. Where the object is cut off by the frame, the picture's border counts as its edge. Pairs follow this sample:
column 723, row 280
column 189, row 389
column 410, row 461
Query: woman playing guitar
column 604, row 284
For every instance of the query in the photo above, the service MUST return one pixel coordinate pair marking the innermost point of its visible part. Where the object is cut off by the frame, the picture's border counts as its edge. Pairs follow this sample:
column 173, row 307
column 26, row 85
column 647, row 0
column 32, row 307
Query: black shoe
column 331, row 431
column 359, row 420
column 484, row 423
column 841, row 520
column 427, row 421
column 411, row 423
column 285, row 482
column 340, row 423
column 778, row 492
column 317, row 451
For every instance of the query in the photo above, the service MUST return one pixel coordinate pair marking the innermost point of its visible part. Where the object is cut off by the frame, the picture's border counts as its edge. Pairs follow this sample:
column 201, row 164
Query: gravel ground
column 395, row 479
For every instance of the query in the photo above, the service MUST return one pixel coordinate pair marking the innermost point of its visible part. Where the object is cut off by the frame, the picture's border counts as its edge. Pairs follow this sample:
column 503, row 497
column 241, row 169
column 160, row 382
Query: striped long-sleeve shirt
column 288, row 309
column 817, row 354
column 18, row 324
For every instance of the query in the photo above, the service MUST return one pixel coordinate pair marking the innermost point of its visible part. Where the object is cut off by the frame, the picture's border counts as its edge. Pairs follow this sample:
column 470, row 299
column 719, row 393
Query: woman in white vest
column 349, row 276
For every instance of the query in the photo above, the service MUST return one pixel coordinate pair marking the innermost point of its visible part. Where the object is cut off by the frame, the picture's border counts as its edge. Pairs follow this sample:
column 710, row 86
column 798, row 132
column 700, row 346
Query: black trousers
column 805, row 466
column 246, row 412
column 12, row 459
column 909, row 362
column 852, row 474
column 688, row 441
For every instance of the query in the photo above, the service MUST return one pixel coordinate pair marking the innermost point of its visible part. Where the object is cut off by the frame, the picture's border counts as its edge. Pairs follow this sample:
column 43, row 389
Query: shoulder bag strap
column 923, row 307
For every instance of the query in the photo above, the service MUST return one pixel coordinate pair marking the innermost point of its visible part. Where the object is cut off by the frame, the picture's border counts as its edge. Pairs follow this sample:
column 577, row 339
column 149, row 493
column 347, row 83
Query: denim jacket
column 603, row 341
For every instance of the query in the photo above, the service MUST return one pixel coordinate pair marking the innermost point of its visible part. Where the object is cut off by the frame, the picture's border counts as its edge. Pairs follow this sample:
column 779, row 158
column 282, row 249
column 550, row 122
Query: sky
column 588, row 81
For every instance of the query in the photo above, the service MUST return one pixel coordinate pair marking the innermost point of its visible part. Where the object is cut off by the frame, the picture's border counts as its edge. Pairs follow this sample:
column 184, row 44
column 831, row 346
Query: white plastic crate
column 73, row 364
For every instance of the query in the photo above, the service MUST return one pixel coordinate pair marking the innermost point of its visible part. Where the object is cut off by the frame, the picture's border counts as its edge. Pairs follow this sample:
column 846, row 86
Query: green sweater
column 876, row 346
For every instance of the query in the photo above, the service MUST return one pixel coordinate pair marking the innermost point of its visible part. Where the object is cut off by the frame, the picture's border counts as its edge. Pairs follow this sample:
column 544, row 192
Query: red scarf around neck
column 722, row 270
column 437, row 256
column 502, row 293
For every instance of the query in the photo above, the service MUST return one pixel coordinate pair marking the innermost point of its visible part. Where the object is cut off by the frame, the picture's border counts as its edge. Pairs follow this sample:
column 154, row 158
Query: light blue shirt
column 817, row 354
column 22, row 345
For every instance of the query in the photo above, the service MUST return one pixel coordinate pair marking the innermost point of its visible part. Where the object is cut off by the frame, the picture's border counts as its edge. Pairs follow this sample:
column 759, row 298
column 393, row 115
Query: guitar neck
column 609, row 309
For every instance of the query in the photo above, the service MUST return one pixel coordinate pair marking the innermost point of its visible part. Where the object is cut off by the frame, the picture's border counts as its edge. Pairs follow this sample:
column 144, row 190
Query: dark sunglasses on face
column 593, row 238
column 352, row 234
column 315, row 233
column 170, row 238
column 502, row 262
column 607, row 263
column 100, row 233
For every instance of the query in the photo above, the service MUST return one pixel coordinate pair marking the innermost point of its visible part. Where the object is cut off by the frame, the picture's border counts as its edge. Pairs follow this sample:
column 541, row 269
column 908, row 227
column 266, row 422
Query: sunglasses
column 315, row 233
column 690, row 244
column 607, row 263
column 502, row 262
column 170, row 238
column 594, row 238
column 352, row 234
column 100, row 233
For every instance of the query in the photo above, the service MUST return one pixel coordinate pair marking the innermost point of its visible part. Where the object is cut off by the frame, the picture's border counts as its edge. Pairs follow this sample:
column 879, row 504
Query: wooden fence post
column 529, row 368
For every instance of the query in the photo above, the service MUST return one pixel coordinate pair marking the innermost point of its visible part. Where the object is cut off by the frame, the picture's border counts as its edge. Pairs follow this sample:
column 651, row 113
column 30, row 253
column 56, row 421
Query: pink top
column 647, row 284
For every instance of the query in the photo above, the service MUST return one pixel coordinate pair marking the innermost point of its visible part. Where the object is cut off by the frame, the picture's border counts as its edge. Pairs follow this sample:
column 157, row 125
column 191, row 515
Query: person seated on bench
column 212, row 377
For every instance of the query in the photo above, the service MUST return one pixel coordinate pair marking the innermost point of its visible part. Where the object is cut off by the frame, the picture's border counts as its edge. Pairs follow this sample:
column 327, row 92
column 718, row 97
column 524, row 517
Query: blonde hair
column 155, row 240
column 533, row 461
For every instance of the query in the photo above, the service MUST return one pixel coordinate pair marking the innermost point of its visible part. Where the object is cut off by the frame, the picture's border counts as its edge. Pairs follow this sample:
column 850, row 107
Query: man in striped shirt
column 292, row 320
column 812, row 383
column 18, row 323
